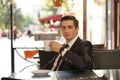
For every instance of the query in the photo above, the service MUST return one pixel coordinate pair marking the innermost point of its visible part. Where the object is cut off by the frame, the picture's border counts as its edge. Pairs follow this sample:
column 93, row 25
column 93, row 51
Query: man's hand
column 55, row 46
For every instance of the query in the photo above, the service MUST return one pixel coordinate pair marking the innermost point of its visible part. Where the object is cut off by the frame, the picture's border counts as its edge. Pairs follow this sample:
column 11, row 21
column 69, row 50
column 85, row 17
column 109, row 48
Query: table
column 24, row 43
column 58, row 75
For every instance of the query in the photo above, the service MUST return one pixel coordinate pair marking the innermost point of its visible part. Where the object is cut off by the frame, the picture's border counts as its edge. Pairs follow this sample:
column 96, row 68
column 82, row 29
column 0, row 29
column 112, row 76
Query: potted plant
column 57, row 3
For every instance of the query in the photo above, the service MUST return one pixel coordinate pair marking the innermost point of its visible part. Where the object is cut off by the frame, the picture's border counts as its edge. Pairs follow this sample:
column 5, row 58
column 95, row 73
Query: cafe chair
column 106, row 59
column 98, row 47
column 45, row 57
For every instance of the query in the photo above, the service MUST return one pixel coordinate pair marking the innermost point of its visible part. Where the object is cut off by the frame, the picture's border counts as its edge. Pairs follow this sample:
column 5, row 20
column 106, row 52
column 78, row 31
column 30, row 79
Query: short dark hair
column 69, row 17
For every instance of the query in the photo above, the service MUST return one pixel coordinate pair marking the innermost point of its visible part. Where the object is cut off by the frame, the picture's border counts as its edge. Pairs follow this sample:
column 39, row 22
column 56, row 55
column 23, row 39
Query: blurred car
column 3, row 34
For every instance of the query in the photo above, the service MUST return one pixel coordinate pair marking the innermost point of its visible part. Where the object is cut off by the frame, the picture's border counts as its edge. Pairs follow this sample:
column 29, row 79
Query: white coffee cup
column 46, row 45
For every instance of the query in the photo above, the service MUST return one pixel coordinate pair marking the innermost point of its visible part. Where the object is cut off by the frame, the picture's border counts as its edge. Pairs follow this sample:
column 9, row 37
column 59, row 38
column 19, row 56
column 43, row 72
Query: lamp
column 100, row 2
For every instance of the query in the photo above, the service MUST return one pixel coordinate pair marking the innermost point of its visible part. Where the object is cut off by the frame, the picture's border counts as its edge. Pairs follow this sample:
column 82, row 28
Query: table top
column 58, row 75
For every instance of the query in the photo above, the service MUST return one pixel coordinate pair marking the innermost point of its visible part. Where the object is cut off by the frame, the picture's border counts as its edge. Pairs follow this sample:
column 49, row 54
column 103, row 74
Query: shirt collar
column 72, row 41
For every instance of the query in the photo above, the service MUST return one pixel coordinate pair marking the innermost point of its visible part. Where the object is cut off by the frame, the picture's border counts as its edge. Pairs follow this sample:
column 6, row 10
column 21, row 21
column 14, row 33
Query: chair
column 106, row 59
column 45, row 57
column 98, row 46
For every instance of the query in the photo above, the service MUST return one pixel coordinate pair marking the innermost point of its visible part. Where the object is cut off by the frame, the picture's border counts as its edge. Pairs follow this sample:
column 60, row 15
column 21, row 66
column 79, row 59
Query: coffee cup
column 46, row 45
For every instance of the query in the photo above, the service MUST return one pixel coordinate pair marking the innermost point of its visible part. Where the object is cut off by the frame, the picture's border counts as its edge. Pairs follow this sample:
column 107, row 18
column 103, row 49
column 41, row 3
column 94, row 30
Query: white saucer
column 40, row 72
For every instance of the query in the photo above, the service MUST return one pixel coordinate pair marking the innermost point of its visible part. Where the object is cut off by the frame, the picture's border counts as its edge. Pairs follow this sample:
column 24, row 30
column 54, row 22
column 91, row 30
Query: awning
column 53, row 17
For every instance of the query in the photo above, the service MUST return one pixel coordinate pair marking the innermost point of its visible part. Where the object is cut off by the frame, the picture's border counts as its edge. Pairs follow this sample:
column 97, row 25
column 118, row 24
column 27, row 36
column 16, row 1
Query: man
column 78, row 55
column 15, row 31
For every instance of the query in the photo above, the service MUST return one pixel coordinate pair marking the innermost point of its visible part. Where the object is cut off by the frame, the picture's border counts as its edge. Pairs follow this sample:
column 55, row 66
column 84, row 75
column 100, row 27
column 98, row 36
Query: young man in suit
column 75, row 57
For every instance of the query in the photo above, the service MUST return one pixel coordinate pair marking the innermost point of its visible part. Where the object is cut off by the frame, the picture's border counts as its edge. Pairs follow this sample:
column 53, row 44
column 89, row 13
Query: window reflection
column 96, row 21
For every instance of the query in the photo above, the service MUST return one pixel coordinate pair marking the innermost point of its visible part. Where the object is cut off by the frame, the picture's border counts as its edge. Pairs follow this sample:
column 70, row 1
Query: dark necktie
column 60, row 58
column 58, row 62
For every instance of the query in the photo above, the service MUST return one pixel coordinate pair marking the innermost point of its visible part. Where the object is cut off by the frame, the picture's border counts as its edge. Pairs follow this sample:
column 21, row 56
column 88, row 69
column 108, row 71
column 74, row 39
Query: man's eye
column 63, row 27
column 70, row 26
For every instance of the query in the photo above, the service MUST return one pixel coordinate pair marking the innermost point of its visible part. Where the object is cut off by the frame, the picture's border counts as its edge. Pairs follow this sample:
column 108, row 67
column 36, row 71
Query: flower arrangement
column 57, row 3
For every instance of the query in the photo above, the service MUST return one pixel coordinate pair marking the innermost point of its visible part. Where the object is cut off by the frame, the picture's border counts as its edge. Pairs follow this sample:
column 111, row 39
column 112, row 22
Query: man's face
column 68, row 30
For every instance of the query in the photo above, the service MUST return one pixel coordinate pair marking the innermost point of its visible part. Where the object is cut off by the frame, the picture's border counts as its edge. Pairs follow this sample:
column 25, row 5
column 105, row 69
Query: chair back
column 106, row 59
column 45, row 57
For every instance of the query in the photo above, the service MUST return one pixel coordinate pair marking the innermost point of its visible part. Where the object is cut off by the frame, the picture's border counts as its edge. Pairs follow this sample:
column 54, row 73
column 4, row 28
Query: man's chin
column 68, row 39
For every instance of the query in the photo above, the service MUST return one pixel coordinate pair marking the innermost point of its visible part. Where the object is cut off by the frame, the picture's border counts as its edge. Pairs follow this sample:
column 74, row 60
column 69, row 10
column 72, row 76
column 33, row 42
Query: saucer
column 40, row 72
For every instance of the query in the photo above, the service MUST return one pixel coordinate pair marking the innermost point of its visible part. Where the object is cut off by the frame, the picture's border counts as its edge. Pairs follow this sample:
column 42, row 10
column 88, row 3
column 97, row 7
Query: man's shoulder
column 83, row 41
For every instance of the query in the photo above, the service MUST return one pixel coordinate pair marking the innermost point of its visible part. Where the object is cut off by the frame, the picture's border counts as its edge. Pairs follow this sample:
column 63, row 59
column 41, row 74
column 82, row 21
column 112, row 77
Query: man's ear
column 77, row 28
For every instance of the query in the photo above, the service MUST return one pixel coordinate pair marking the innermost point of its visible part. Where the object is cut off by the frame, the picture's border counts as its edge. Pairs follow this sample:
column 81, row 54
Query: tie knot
column 66, row 45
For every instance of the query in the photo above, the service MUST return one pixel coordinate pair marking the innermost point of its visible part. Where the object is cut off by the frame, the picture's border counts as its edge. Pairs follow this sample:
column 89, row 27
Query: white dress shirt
column 63, row 53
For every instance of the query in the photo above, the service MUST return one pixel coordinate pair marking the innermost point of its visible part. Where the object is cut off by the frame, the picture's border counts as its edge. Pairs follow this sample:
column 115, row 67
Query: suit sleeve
column 80, row 57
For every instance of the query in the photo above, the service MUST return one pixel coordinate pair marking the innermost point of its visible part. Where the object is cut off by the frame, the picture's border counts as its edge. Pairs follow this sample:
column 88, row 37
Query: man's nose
column 66, row 29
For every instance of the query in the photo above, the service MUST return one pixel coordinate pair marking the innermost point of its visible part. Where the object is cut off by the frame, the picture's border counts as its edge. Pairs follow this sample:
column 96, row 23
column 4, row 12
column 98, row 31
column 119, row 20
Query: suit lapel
column 75, row 46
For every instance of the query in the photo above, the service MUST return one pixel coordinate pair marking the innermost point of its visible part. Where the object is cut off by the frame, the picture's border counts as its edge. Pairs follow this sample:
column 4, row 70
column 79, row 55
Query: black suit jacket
column 77, row 58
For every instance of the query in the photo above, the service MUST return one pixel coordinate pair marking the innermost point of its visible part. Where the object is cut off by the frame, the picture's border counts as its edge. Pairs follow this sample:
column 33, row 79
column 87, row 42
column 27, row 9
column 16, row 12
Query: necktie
column 58, row 60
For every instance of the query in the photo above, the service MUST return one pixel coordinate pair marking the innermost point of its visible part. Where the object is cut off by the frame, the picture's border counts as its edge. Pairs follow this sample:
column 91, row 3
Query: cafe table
column 55, row 75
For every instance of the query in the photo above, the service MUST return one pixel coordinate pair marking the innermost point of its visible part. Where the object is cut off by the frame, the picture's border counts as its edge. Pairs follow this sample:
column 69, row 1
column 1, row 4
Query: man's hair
column 69, row 17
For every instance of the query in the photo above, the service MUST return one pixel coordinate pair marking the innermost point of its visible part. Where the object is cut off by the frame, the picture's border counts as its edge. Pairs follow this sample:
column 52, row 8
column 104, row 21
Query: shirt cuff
column 64, row 51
